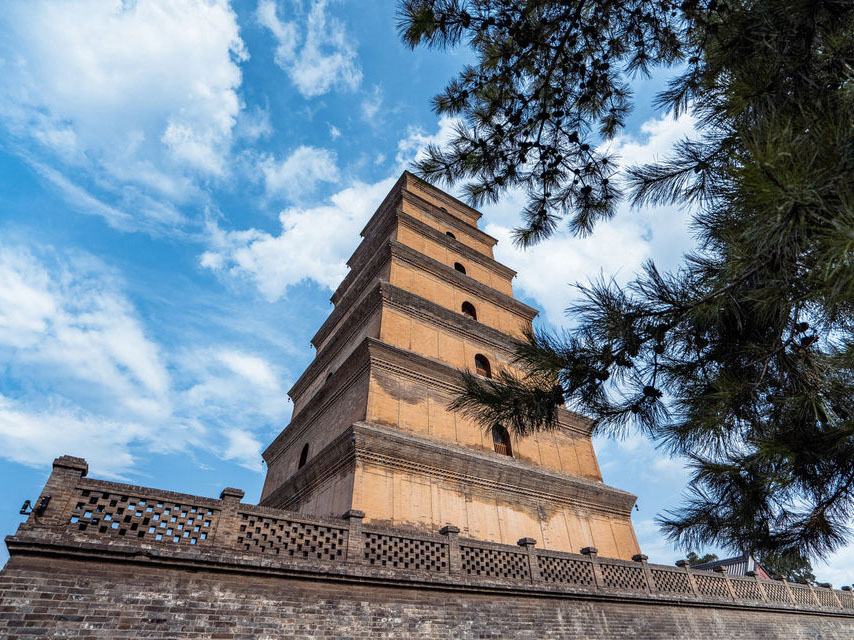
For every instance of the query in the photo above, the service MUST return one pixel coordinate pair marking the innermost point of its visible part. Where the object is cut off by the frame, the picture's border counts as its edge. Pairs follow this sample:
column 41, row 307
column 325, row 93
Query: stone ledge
column 485, row 471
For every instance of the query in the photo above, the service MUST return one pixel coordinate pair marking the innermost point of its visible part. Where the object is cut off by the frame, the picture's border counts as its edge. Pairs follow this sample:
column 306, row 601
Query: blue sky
column 181, row 183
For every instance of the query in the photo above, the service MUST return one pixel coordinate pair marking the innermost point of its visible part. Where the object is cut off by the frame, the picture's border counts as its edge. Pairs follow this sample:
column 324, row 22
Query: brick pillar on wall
column 650, row 581
column 529, row 544
column 229, row 520
column 684, row 564
column 593, row 553
column 355, row 544
column 455, row 562
column 61, row 488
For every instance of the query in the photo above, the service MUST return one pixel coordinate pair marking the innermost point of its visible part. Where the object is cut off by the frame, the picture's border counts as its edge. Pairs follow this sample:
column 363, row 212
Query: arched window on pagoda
column 450, row 235
column 303, row 456
column 469, row 310
column 459, row 267
column 501, row 440
column 481, row 366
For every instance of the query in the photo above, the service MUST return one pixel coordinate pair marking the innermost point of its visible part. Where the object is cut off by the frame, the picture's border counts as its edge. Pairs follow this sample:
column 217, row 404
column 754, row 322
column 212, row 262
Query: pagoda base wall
column 404, row 480
column 49, row 597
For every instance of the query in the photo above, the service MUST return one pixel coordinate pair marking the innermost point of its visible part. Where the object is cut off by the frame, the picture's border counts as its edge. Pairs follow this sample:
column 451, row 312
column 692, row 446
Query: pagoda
column 371, row 429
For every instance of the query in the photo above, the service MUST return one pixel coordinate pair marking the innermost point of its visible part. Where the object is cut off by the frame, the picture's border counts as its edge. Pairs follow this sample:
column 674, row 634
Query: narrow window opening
column 459, row 267
column 468, row 309
column 450, row 235
column 501, row 440
column 481, row 366
column 303, row 456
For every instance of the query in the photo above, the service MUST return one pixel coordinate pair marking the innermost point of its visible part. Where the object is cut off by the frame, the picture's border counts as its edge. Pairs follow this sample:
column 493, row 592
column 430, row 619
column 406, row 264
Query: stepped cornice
column 374, row 444
column 385, row 293
column 391, row 249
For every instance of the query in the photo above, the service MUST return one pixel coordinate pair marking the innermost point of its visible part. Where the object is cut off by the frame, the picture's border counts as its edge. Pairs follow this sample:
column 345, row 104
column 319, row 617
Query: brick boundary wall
column 93, row 532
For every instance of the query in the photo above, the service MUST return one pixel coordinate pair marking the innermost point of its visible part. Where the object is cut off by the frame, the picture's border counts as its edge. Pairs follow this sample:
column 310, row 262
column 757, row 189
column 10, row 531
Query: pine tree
column 792, row 568
column 742, row 360
column 694, row 559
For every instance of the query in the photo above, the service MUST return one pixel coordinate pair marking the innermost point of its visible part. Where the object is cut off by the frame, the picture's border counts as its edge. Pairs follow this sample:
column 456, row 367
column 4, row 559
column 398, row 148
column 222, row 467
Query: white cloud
column 838, row 569
column 76, row 326
column 411, row 147
column 334, row 132
column 245, row 448
column 313, row 244
column 254, row 369
column 141, row 95
column 298, row 174
column 34, row 436
column 371, row 105
column 254, row 124
column 83, row 376
column 319, row 58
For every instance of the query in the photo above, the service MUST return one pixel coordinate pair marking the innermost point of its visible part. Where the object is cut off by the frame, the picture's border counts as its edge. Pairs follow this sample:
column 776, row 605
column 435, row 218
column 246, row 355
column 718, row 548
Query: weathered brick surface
column 42, row 597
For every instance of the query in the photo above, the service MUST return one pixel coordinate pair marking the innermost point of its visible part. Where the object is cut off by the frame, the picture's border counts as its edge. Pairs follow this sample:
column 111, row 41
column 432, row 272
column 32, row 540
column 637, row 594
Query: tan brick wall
column 347, row 408
column 460, row 230
column 443, row 293
column 415, row 407
column 449, row 257
column 395, row 498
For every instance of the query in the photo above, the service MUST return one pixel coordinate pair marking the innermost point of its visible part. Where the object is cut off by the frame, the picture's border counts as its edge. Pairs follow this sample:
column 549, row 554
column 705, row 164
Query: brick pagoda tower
column 371, row 430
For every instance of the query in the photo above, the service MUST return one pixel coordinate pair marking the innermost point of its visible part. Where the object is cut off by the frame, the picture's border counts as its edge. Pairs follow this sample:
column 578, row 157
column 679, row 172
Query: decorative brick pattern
column 565, row 570
column 405, row 553
column 803, row 595
column 746, row 589
column 152, row 520
column 287, row 537
column 826, row 598
column 671, row 581
column 712, row 586
column 618, row 576
column 776, row 591
column 492, row 563
column 846, row 599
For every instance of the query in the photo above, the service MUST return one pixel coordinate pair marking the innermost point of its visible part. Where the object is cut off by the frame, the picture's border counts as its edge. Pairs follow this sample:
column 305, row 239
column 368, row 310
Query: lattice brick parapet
column 565, row 570
column 671, row 581
column 405, row 553
column 152, row 520
column 620, row 576
column 493, row 563
column 121, row 516
column 280, row 536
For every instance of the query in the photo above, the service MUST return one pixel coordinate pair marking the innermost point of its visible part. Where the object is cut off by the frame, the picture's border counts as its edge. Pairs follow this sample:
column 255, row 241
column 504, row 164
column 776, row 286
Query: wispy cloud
column 299, row 173
column 136, row 96
column 85, row 377
column 319, row 56
column 371, row 105
column 314, row 243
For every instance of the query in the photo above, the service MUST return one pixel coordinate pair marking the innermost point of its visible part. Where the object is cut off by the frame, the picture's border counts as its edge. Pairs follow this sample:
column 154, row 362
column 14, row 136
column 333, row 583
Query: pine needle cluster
column 742, row 360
